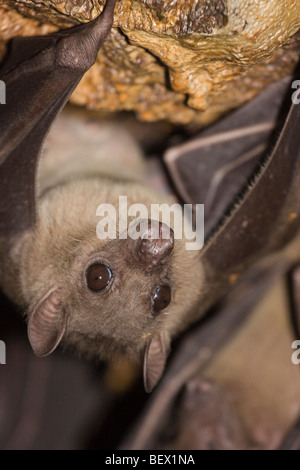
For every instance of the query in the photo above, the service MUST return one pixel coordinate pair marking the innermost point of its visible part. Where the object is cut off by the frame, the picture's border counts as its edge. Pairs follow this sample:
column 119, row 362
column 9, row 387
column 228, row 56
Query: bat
column 101, row 298
column 252, row 194
column 205, row 420
column 225, row 155
column 105, row 298
column 262, row 217
column 49, row 69
column 251, row 190
column 200, row 344
column 193, row 353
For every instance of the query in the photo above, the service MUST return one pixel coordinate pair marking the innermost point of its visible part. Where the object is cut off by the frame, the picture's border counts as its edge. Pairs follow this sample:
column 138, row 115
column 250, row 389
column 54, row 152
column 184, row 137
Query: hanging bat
column 262, row 215
column 103, row 298
column 204, row 420
column 250, row 190
column 225, row 155
column 112, row 297
column 194, row 352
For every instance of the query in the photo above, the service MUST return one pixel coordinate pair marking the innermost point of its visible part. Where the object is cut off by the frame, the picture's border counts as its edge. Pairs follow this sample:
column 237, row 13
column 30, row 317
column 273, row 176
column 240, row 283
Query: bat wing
column 40, row 75
column 263, row 218
column 214, row 168
column 267, row 216
column 195, row 350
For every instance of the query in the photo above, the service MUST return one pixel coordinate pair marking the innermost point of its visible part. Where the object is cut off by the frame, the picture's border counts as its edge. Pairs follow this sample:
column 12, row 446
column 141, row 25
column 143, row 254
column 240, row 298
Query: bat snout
column 155, row 244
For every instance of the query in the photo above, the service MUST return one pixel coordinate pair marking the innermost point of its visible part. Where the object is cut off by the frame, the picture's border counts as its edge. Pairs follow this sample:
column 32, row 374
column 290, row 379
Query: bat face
column 103, row 297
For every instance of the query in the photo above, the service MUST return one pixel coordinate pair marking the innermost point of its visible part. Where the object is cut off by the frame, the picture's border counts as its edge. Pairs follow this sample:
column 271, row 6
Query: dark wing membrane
column 40, row 74
column 213, row 168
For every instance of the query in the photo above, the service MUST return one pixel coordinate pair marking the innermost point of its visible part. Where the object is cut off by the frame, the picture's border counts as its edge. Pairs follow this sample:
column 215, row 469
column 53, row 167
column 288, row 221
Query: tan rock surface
column 187, row 61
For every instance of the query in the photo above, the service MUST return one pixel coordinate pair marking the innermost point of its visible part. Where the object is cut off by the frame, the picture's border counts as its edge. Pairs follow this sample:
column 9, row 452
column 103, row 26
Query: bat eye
column 98, row 276
column 161, row 298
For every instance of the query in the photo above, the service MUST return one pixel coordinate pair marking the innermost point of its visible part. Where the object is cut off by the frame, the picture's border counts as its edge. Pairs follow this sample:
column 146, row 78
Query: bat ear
column 47, row 324
column 155, row 359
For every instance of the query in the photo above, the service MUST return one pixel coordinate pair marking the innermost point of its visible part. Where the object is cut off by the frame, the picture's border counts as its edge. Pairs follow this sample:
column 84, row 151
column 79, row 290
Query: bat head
column 122, row 296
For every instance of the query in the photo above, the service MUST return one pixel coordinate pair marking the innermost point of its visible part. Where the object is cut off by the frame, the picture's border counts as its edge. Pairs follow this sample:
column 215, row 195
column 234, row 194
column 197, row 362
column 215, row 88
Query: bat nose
column 155, row 244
